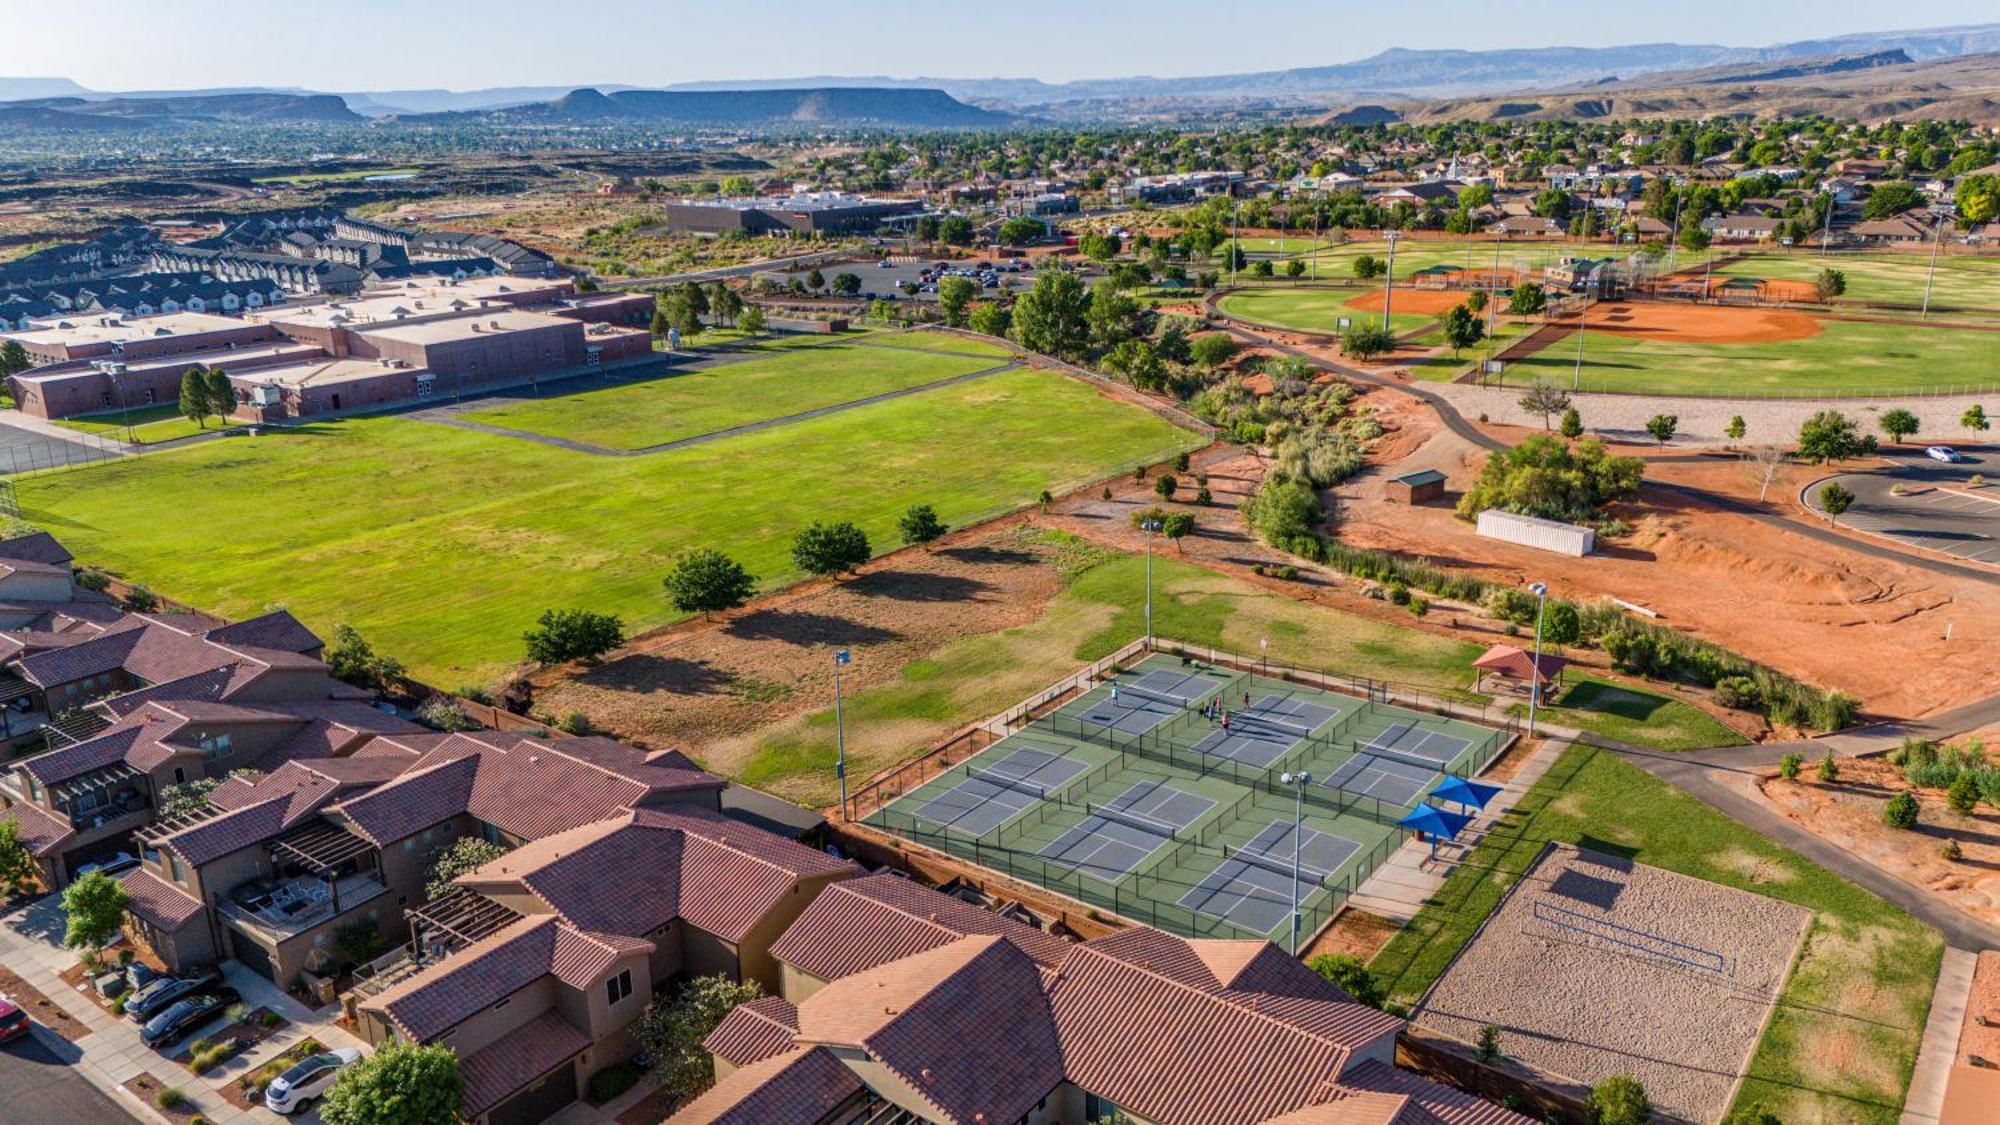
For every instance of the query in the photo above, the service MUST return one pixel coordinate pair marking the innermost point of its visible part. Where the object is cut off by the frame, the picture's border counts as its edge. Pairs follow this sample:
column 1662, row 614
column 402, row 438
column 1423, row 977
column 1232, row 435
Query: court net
column 1155, row 696
column 1269, row 862
column 1133, row 820
column 1381, row 749
column 1297, row 732
column 1019, row 785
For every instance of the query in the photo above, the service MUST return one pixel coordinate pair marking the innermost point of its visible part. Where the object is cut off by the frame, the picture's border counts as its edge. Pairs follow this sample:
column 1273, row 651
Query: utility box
column 1530, row 531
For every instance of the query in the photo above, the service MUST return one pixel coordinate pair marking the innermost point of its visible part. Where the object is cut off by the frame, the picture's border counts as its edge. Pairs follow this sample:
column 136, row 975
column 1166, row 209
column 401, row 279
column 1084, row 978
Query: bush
column 1950, row 852
column 1620, row 1100
column 1399, row 593
column 1962, row 795
column 1829, row 771
column 573, row 723
column 170, row 1098
column 141, row 600
column 1789, row 767
column 613, row 1080
column 563, row 635
column 1419, row 607
column 1901, row 811
column 1736, row 692
column 1351, row 975
column 1489, row 1044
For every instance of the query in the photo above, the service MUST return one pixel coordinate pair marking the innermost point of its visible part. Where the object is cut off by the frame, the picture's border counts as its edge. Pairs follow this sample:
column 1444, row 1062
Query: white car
column 1943, row 453
column 297, row 1089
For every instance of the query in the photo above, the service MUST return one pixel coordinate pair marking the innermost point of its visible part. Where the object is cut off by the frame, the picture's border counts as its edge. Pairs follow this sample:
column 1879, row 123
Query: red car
column 13, row 1021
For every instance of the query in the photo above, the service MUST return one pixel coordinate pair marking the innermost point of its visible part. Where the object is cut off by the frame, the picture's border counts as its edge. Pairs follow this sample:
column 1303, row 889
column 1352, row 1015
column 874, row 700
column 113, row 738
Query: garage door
column 253, row 956
column 539, row 1102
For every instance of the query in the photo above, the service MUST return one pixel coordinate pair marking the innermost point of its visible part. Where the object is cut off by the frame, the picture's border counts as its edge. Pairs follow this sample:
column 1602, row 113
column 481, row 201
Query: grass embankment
column 1103, row 609
column 1627, row 714
column 442, row 544
column 1844, row 1038
column 150, row 425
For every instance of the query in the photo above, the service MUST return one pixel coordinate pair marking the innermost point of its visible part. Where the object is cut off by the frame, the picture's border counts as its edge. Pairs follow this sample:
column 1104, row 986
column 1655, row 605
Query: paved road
column 744, row 270
column 38, row 1086
column 1941, row 512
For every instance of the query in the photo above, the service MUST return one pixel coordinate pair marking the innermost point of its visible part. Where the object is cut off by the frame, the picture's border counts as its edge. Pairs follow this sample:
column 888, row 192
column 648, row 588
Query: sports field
column 1963, row 282
column 1159, row 795
column 1844, row 357
column 1320, row 310
column 1337, row 261
column 149, row 424
column 783, row 383
column 443, row 545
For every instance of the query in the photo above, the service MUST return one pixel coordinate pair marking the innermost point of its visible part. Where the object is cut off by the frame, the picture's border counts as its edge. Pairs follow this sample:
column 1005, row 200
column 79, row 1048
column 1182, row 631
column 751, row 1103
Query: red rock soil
column 1975, row 1038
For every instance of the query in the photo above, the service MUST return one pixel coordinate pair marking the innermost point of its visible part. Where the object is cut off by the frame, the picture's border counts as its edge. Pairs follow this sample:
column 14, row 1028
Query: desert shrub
column 1788, row 768
column 170, row 1098
column 1829, row 770
column 1901, row 811
column 1399, row 593
column 1351, row 975
column 1950, row 852
column 1962, row 796
column 1736, row 692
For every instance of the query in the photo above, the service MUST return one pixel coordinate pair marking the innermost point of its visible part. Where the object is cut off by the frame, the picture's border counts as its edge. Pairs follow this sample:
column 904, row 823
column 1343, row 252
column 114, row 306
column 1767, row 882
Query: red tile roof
column 801, row 1085
column 159, row 903
column 42, row 831
column 1450, row 1106
column 37, row 547
column 446, row 993
column 861, row 923
column 517, row 1059
column 754, row 1031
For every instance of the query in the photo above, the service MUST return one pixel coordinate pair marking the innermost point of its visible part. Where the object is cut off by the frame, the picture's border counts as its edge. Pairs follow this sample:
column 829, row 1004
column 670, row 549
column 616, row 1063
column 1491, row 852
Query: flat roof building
column 813, row 213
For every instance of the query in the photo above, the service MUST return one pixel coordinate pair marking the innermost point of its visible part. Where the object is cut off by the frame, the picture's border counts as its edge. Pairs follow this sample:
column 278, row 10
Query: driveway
column 1938, row 509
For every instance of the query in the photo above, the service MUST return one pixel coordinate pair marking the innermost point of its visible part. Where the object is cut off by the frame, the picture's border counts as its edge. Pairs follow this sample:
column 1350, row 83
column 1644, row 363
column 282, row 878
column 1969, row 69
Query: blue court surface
column 1120, row 834
column 1252, row 886
column 1152, row 699
column 1261, row 733
column 991, row 795
column 1389, row 780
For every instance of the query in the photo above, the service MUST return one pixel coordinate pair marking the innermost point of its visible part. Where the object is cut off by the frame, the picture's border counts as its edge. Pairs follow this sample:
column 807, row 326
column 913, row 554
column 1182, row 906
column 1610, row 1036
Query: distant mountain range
column 133, row 112
column 840, row 100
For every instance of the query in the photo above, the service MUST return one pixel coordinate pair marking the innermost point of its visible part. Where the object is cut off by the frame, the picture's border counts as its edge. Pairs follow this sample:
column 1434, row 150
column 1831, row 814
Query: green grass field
column 1337, row 262
column 443, row 545
column 947, row 342
column 788, row 381
column 1843, row 1041
column 1629, row 715
column 1845, row 357
column 1311, row 310
column 150, row 425
column 1897, row 279
column 335, row 177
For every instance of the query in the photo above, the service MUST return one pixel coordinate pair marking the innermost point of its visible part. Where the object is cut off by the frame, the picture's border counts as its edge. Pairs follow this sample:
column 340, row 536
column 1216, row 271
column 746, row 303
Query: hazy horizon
column 130, row 45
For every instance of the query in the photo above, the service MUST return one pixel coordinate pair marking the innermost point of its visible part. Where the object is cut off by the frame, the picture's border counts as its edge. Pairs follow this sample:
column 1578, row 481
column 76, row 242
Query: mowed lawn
column 1312, row 310
column 1845, row 357
column 150, row 425
column 443, row 545
column 1843, row 1040
column 1897, row 279
column 674, row 406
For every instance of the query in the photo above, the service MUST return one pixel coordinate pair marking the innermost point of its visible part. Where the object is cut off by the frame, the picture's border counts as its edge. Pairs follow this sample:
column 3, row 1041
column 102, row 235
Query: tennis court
column 1125, row 831
column 1144, row 804
column 1252, row 886
column 992, row 795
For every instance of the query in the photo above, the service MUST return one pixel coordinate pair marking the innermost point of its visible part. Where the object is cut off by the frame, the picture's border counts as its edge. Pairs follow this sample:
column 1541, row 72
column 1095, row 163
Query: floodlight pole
column 1389, row 277
column 1674, row 236
column 1298, row 782
column 840, row 657
column 1582, row 325
column 1937, row 243
column 1150, row 527
column 1264, row 650
column 1541, row 592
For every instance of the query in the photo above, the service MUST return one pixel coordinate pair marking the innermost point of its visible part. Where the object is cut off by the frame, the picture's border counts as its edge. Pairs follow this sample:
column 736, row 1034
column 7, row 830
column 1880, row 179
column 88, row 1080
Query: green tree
column 1901, row 811
column 1547, row 477
column 1962, row 795
column 1978, row 198
column 1138, row 362
column 1462, row 329
column 1830, row 435
column 1898, row 424
column 400, row 1084
column 1366, row 341
column 752, row 321
column 1368, row 267
column 991, row 319
column 955, row 230
column 14, row 358
column 19, row 873
column 1621, row 1100
column 1164, row 485
column 1527, row 299
column 921, row 526
column 706, row 581
column 563, row 635
column 1352, row 976
column 671, row 1030
column 1176, row 527
column 1113, row 315
column 353, row 660
column 815, row 280
column 94, row 906
column 1572, row 424
column 847, row 284
column 1829, row 284
column 1052, row 317
column 827, row 549
column 194, row 402
column 1212, row 350
column 953, row 295
column 1546, row 398
column 446, row 863
column 1020, row 230
column 1662, row 427
column 221, row 393
column 1974, row 419
column 1834, row 500
column 1488, row 1050
column 1891, row 197
column 1561, row 623
column 1295, row 269
column 1736, row 428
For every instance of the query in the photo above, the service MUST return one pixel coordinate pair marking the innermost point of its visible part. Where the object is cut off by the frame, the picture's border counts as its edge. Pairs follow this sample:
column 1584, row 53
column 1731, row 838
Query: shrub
column 1950, row 852
column 1621, row 1100
column 1419, row 607
column 563, row 635
column 1789, row 767
column 1829, row 772
column 1901, row 811
column 1736, row 692
column 237, row 1013
column 1962, row 795
column 1351, row 975
column 441, row 712
column 92, row 579
column 613, row 1080
column 118, row 1005
column 1399, row 593
column 1203, row 497
column 271, row 1019
column 1489, row 1044
column 141, row 600
column 170, row 1098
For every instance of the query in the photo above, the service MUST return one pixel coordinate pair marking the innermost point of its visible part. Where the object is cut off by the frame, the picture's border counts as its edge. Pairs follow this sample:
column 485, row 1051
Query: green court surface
column 1184, row 825
column 791, row 381
column 443, row 545
column 1963, row 282
column 1847, row 357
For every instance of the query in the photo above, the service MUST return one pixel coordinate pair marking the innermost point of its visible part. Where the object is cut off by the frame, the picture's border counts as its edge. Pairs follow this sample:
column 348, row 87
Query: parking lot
column 1926, row 504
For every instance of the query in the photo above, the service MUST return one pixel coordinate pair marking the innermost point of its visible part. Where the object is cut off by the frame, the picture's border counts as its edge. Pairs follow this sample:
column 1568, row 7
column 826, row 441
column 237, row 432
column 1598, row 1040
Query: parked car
column 159, row 995
column 297, row 1089
column 13, row 1021
column 884, row 264
column 1944, row 453
column 174, row 1023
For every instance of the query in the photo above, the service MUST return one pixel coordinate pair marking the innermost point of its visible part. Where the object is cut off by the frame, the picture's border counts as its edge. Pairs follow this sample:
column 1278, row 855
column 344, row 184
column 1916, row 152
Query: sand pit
column 1416, row 302
column 1697, row 324
column 1594, row 965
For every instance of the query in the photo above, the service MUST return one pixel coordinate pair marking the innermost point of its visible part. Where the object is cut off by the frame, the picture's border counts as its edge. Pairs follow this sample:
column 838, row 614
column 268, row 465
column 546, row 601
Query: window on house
column 214, row 746
column 618, row 987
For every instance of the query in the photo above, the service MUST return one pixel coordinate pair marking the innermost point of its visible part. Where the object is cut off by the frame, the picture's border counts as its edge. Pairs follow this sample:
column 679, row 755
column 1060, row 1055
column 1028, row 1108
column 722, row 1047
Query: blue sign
column 841, row 656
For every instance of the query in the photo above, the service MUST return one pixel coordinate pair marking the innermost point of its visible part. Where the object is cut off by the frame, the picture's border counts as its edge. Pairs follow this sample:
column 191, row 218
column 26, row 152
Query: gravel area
column 1703, row 420
column 1580, row 1000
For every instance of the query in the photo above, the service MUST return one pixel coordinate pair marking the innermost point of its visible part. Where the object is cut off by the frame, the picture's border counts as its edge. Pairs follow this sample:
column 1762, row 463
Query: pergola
column 321, row 847
column 1512, row 664
column 456, row 919
column 96, row 781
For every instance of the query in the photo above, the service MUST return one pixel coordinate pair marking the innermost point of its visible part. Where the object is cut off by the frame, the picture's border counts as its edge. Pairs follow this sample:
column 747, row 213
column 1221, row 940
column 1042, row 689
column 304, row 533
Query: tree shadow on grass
column 806, row 629
column 911, row 586
column 982, row 555
column 644, row 672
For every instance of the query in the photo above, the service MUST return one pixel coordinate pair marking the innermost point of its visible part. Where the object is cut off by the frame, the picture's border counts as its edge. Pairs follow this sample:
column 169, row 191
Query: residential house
column 1907, row 229
column 1742, row 228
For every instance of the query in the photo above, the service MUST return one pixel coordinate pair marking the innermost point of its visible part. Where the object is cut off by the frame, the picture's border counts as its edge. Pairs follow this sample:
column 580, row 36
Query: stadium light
column 1150, row 526
column 1541, row 592
column 1298, row 781
column 841, row 658
column 1389, row 276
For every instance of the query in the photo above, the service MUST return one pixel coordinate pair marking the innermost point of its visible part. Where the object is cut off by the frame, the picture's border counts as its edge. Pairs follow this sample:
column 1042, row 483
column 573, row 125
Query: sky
column 344, row 45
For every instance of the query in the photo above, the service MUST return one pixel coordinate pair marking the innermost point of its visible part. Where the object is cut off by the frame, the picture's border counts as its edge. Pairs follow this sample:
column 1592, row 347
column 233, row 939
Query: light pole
column 1389, row 277
column 1541, row 592
column 1264, row 651
column 1582, row 324
column 1937, row 242
column 1298, row 781
column 1150, row 527
column 841, row 657
column 1674, row 236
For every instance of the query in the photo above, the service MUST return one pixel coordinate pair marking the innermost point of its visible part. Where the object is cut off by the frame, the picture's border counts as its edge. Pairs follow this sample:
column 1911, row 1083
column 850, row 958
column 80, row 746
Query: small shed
column 1519, row 669
column 1532, row 531
column 1420, row 487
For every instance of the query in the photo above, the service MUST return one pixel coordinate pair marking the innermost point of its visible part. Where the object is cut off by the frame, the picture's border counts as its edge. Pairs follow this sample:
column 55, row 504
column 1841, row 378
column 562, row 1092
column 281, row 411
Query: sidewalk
column 1939, row 1050
column 111, row 1053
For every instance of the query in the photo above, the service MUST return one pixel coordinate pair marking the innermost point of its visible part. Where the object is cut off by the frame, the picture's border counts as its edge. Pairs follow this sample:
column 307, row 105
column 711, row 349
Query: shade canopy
column 1511, row 662
column 1435, row 821
column 1460, row 791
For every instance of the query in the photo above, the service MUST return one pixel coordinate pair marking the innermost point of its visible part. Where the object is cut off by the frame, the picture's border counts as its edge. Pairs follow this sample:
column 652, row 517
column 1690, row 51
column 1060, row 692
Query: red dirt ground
column 1973, row 1038
column 1699, row 324
column 1421, row 302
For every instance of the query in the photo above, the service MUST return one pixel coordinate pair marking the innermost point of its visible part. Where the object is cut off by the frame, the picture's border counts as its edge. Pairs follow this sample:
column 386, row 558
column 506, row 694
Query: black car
column 156, row 997
column 183, row 1016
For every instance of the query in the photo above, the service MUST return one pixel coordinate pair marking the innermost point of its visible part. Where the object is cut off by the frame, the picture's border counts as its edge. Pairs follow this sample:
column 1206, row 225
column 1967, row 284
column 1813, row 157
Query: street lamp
column 1541, row 592
column 1264, row 653
column 1298, row 781
column 1937, row 241
column 1149, row 526
column 841, row 658
column 1389, row 278
column 1582, row 325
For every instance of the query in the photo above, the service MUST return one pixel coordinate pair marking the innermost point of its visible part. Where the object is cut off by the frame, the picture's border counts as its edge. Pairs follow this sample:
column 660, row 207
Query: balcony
column 275, row 911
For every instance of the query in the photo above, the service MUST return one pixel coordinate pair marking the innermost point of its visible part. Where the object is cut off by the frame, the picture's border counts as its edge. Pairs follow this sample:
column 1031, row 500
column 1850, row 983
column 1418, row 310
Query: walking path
column 1939, row 1049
